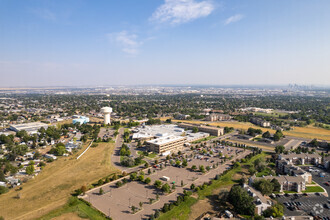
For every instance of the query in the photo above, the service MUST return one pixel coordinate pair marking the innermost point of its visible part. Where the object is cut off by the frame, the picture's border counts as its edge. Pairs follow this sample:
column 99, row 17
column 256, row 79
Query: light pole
column 146, row 193
column 109, row 212
column 129, row 202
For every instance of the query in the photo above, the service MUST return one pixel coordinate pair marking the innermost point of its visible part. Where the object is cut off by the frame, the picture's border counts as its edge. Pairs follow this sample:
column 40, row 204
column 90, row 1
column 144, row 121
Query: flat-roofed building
column 214, row 131
column 166, row 144
column 261, row 202
column 30, row 128
column 301, row 159
column 217, row 117
column 288, row 183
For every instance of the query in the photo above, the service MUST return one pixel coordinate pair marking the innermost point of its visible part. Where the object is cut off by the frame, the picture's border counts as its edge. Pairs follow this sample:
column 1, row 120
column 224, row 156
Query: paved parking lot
column 117, row 201
column 311, row 204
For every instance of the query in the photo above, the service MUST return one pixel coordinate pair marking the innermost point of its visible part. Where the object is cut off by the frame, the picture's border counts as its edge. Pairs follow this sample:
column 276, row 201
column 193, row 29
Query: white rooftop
column 165, row 140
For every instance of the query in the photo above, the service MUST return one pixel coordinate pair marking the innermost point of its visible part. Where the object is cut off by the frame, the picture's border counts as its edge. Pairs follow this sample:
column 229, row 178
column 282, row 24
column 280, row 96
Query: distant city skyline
column 164, row 42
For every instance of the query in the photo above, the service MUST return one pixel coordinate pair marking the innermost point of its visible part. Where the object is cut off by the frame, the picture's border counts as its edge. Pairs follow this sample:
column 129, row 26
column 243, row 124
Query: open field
column 52, row 187
column 309, row 132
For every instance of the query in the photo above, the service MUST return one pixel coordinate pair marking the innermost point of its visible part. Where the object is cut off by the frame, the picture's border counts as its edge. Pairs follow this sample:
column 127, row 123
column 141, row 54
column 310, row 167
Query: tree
column 276, row 185
column 184, row 163
column 166, row 188
column 193, row 167
column 157, row 214
column 147, row 180
column 279, row 149
column 133, row 176
column 275, row 211
column 201, row 168
column 83, row 189
column 101, row 191
column 30, row 169
column 241, row 200
column 141, row 178
column 140, row 204
column 264, row 186
column 133, row 208
column 194, row 129
column 278, row 135
column 158, row 184
column 266, row 134
column 237, row 164
column 192, row 186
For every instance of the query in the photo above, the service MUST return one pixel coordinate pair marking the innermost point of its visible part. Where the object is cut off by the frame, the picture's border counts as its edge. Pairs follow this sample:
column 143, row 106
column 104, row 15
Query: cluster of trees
column 124, row 150
column 241, row 200
column 278, row 135
column 228, row 129
column 130, row 162
column 253, row 132
column 267, row 187
column 58, row 150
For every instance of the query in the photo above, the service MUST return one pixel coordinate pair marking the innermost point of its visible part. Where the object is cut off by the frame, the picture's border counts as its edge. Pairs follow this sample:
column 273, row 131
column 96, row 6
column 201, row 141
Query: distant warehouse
column 215, row 131
column 30, row 128
column 166, row 145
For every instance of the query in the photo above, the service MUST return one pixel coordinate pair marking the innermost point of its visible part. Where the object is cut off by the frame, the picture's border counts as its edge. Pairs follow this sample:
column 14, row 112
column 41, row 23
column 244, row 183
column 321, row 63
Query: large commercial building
column 166, row 145
column 30, row 128
column 81, row 120
column 215, row 131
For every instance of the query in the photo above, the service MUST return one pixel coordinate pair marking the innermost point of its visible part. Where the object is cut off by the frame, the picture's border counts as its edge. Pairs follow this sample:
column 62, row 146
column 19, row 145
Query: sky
column 143, row 42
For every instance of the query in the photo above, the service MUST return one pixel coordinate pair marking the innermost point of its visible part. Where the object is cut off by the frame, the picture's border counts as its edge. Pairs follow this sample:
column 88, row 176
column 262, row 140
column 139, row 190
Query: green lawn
column 265, row 172
column 75, row 205
column 180, row 212
column 289, row 192
column 203, row 139
column 150, row 155
column 310, row 189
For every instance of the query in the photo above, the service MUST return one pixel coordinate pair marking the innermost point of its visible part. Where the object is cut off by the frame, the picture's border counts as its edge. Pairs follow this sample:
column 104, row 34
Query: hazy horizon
column 164, row 42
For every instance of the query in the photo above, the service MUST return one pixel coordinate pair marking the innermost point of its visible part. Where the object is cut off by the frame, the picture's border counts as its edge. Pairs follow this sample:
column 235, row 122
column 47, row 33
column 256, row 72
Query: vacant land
column 52, row 187
column 309, row 132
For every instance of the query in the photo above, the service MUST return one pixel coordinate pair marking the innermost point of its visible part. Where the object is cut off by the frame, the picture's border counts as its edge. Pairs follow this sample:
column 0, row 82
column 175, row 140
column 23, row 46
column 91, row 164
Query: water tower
column 106, row 111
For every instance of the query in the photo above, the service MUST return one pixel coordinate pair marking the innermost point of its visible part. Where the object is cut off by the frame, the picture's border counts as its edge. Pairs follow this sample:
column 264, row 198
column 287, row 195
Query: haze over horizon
column 148, row 42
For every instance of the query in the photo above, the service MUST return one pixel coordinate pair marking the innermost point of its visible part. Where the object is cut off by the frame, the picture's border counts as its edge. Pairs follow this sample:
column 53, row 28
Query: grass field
column 52, row 187
column 303, row 132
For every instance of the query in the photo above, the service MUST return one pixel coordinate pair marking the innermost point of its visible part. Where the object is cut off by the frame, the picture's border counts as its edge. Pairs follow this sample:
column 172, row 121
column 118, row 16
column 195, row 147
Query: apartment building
column 214, row 131
column 301, row 159
column 288, row 183
column 261, row 202
column 260, row 122
column 218, row 117
column 166, row 145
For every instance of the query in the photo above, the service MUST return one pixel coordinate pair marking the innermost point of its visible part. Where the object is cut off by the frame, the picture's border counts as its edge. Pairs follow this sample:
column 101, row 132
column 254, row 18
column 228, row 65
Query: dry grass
column 303, row 132
column 56, row 182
